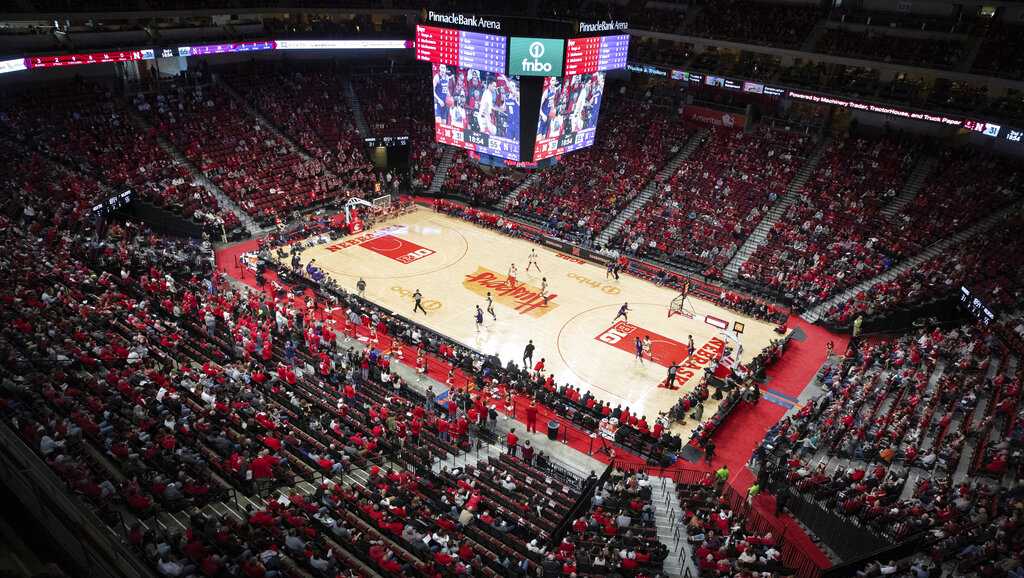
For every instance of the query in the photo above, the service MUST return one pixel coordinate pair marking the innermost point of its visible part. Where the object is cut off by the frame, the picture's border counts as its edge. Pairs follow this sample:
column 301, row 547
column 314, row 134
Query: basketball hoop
column 681, row 304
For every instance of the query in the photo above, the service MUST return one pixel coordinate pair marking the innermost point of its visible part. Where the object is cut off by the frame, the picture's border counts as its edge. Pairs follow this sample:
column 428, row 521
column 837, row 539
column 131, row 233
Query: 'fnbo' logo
column 536, row 51
column 536, row 57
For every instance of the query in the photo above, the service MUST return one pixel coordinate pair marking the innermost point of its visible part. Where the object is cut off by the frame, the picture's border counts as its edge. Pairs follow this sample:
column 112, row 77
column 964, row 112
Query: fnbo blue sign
column 536, row 56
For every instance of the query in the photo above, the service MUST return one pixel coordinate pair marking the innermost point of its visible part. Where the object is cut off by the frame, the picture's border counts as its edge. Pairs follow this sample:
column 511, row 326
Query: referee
column 419, row 302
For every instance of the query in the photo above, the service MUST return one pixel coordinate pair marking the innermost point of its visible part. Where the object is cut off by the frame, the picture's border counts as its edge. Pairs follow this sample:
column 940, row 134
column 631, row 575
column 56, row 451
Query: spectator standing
column 721, row 477
column 512, row 441
column 752, row 492
column 531, row 417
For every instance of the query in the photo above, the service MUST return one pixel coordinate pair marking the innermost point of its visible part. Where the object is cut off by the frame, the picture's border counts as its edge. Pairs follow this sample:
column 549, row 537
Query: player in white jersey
column 490, row 306
column 485, row 112
column 531, row 261
column 512, row 273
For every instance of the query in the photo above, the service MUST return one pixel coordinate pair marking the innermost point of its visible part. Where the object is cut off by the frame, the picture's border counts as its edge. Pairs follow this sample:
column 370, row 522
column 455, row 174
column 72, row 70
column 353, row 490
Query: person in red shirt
column 531, row 417
column 442, row 429
column 263, row 466
column 512, row 441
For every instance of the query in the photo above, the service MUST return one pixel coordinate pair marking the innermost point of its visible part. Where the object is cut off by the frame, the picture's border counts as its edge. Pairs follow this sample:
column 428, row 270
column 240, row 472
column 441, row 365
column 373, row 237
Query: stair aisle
column 357, row 110
column 263, row 120
column 920, row 172
column 198, row 177
column 441, row 173
column 668, row 518
column 652, row 187
column 526, row 183
column 760, row 234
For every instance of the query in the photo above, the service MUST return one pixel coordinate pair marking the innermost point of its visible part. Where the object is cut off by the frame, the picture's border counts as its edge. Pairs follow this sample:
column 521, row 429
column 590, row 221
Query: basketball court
column 454, row 264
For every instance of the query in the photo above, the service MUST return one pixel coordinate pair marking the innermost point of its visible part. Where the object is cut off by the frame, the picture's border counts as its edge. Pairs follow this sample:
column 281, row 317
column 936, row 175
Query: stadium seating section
column 578, row 197
column 914, row 434
column 223, row 430
column 711, row 204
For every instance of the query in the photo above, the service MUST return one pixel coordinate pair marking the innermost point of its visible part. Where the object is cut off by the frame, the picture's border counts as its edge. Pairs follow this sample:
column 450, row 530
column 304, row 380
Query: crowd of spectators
column 784, row 25
column 967, row 185
column 722, row 539
column 972, row 263
column 577, row 198
column 482, row 186
column 257, row 169
column 827, row 239
column 406, row 111
column 917, row 407
column 86, row 127
column 702, row 214
column 1000, row 53
column 153, row 385
column 928, row 52
column 393, row 102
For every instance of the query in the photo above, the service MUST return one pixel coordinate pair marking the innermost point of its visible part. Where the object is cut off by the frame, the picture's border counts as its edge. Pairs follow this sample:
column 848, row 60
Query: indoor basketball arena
column 679, row 288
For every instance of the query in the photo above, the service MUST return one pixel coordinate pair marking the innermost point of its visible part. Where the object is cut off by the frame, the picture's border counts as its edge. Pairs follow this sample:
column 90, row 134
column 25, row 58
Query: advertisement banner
column 536, row 56
column 714, row 117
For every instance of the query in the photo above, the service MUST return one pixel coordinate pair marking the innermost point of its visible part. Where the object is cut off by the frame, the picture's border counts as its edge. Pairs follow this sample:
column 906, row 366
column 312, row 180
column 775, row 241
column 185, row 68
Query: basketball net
column 681, row 304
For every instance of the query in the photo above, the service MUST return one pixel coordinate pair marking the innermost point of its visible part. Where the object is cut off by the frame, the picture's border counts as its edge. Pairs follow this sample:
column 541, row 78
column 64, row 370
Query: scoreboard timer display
column 976, row 306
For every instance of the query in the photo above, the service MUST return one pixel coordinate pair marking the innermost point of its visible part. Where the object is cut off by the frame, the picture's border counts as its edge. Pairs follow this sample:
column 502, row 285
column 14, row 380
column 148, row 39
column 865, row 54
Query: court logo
column 522, row 297
column 397, row 248
column 584, row 280
column 360, row 239
column 536, row 56
column 664, row 350
column 428, row 304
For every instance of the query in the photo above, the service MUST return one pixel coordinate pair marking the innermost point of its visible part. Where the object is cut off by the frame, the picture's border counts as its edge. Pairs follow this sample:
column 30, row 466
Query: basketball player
column 544, row 289
column 647, row 347
column 690, row 347
column 490, row 306
column 443, row 100
column 531, row 261
column 512, row 273
column 639, row 346
column 484, row 114
column 419, row 302
column 623, row 313
column 479, row 318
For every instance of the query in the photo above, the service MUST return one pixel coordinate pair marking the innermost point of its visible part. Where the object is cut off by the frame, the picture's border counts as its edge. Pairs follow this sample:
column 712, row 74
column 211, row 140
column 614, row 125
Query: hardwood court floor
column 454, row 263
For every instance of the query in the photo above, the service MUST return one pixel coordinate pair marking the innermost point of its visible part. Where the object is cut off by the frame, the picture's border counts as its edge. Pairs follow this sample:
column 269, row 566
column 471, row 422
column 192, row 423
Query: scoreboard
column 596, row 54
column 499, row 91
column 489, row 52
column 461, row 48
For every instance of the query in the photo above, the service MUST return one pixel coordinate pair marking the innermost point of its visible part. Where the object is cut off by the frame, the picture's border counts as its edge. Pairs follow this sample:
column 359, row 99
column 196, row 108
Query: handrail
column 582, row 503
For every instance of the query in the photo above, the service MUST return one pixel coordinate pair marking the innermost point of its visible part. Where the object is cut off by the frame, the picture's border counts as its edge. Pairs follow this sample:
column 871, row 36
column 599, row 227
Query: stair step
column 759, row 235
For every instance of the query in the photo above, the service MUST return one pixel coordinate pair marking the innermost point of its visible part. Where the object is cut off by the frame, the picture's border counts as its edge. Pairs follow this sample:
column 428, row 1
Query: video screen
column 477, row 110
column 569, row 108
